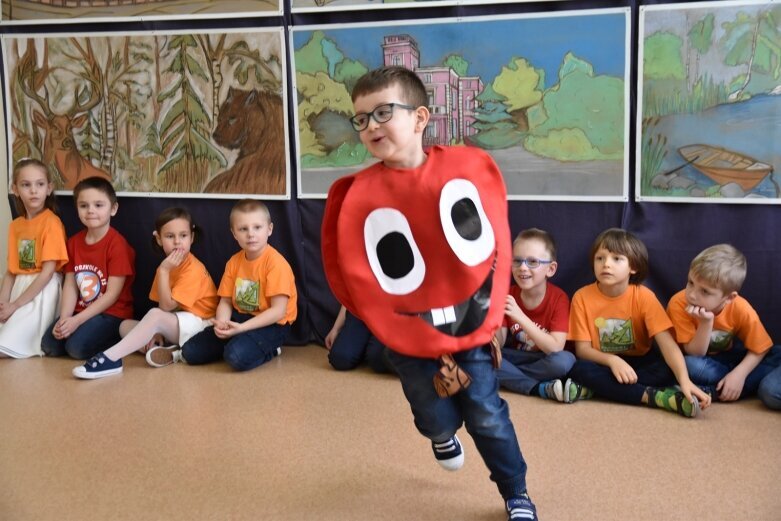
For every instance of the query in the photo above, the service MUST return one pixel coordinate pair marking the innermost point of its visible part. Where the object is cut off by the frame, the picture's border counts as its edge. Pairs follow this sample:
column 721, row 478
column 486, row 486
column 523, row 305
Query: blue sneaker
column 449, row 453
column 521, row 508
column 97, row 367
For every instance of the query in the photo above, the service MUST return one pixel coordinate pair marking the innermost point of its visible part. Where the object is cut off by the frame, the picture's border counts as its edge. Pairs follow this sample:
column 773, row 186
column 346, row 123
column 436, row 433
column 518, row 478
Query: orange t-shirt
column 250, row 284
column 191, row 287
column 622, row 325
column 737, row 318
column 31, row 242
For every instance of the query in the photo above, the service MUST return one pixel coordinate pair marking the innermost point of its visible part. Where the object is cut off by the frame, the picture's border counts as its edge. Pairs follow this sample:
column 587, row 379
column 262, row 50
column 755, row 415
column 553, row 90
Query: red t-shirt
column 93, row 264
column 551, row 315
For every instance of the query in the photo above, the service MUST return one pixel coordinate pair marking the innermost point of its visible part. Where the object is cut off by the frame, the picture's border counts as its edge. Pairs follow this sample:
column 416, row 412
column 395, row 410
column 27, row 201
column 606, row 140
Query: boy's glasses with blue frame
column 531, row 262
column 380, row 114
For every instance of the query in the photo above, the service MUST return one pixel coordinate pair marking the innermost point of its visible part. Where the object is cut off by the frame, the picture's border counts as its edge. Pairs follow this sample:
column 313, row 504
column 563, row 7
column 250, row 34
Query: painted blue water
column 750, row 127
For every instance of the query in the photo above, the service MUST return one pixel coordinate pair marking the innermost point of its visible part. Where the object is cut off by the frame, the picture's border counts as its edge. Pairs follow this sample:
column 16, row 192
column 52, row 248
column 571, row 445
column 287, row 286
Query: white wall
column 5, row 209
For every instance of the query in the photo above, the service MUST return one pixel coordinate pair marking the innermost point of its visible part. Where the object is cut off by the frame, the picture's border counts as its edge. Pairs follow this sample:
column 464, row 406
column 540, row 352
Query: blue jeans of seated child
column 651, row 369
column 354, row 344
column 770, row 389
column 92, row 337
column 243, row 352
column 709, row 370
column 522, row 370
column 479, row 407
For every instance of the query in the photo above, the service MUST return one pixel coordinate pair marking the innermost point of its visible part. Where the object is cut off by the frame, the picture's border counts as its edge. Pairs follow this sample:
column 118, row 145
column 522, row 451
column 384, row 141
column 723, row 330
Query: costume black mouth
column 465, row 317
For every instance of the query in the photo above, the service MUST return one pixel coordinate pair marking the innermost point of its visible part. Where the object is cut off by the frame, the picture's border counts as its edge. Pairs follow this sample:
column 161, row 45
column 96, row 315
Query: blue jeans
column 770, row 389
column 92, row 337
column 709, row 370
column 522, row 370
column 651, row 369
column 479, row 407
column 243, row 352
column 354, row 344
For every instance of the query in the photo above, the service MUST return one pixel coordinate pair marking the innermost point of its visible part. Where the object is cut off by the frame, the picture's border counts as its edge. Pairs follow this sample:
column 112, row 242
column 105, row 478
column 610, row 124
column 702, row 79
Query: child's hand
column 622, row 371
column 700, row 313
column 330, row 338
column 227, row 329
column 157, row 340
column 6, row 310
column 730, row 387
column 688, row 389
column 65, row 327
column 174, row 259
column 512, row 309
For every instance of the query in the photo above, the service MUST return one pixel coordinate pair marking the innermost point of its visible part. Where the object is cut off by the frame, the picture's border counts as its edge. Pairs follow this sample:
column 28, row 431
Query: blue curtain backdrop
column 674, row 233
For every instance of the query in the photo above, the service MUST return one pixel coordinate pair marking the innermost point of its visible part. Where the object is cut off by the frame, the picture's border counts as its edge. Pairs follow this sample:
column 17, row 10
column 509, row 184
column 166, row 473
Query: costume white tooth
column 450, row 314
column 437, row 317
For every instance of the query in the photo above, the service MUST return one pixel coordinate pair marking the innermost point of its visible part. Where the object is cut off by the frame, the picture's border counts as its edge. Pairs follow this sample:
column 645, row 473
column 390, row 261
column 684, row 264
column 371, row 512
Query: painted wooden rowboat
column 725, row 166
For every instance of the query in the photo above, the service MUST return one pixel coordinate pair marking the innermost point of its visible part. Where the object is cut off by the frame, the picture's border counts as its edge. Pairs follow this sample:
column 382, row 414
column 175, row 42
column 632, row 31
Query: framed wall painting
column 710, row 103
column 318, row 6
column 72, row 11
column 550, row 106
column 167, row 114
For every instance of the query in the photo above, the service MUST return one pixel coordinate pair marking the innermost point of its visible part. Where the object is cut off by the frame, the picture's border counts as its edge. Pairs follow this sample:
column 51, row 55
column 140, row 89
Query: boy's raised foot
column 573, row 391
column 449, row 453
column 552, row 390
column 521, row 508
column 97, row 367
column 161, row 356
column 672, row 399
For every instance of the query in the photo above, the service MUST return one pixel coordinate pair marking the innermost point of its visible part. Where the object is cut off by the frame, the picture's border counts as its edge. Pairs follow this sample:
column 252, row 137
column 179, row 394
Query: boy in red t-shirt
column 537, row 317
column 96, row 295
column 709, row 316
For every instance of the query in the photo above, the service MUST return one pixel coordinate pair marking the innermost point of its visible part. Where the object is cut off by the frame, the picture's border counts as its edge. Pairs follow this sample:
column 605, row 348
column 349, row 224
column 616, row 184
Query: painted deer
column 251, row 121
column 59, row 144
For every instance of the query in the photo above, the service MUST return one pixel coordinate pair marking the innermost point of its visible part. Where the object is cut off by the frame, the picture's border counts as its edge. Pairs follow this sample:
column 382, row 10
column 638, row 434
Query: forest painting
column 64, row 11
column 710, row 96
column 545, row 95
column 200, row 114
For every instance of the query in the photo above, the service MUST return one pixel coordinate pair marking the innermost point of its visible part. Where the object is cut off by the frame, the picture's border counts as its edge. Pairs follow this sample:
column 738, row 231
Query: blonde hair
column 249, row 205
column 541, row 235
column 51, row 202
column 722, row 266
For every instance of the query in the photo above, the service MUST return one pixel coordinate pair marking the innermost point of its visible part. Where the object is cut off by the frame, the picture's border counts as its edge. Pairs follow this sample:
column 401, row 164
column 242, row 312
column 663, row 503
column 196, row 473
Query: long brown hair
column 51, row 201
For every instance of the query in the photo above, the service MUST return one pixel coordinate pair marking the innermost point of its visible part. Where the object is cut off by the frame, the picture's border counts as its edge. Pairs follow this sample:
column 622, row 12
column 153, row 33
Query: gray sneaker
column 552, row 390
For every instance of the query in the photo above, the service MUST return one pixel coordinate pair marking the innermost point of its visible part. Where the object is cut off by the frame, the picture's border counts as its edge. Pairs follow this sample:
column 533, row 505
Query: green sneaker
column 673, row 400
column 573, row 392
column 552, row 390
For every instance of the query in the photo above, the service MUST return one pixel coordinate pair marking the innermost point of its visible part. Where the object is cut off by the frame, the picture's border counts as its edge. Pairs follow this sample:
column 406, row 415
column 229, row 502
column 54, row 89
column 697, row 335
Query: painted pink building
column 452, row 99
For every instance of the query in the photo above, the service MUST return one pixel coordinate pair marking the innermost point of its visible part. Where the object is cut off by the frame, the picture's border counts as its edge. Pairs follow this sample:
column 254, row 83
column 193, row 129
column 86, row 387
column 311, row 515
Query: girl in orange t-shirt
column 612, row 323
column 30, row 291
column 186, row 295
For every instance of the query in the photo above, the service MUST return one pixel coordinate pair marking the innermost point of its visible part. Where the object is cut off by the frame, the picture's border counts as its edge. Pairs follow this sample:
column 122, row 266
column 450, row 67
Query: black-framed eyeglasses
column 380, row 114
column 531, row 262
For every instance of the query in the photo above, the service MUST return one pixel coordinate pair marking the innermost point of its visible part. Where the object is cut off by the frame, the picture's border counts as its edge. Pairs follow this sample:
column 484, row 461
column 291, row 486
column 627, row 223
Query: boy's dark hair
column 50, row 202
column 616, row 240
column 168, row 215
column 413, row 91
column 98, row 183
column 249, row 205
column 722, row 266
column 540, row 235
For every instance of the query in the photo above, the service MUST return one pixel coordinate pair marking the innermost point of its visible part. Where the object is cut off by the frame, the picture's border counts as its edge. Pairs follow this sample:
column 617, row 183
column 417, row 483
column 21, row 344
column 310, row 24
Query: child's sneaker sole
column 161, row 356
column 80, row 372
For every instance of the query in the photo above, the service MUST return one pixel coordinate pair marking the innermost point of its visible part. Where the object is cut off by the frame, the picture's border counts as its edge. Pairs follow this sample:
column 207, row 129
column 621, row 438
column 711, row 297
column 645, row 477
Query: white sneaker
column 449, row 453
column 161, row 356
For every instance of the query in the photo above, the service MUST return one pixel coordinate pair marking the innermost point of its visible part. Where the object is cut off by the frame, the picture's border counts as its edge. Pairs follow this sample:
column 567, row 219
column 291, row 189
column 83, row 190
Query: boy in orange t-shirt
column 709, row 316
column 257, row 298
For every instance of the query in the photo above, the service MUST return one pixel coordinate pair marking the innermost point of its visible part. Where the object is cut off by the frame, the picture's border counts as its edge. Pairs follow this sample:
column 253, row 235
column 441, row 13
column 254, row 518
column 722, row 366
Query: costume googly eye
column 466, row 227
column 394, row 256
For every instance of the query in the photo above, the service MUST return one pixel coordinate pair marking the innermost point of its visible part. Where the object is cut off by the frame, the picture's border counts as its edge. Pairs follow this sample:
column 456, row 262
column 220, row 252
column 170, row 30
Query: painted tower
column 452, row 99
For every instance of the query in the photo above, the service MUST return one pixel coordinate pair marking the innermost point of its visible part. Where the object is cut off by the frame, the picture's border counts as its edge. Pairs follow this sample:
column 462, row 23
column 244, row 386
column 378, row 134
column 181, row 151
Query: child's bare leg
column 154, row 322
column 126, row 326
